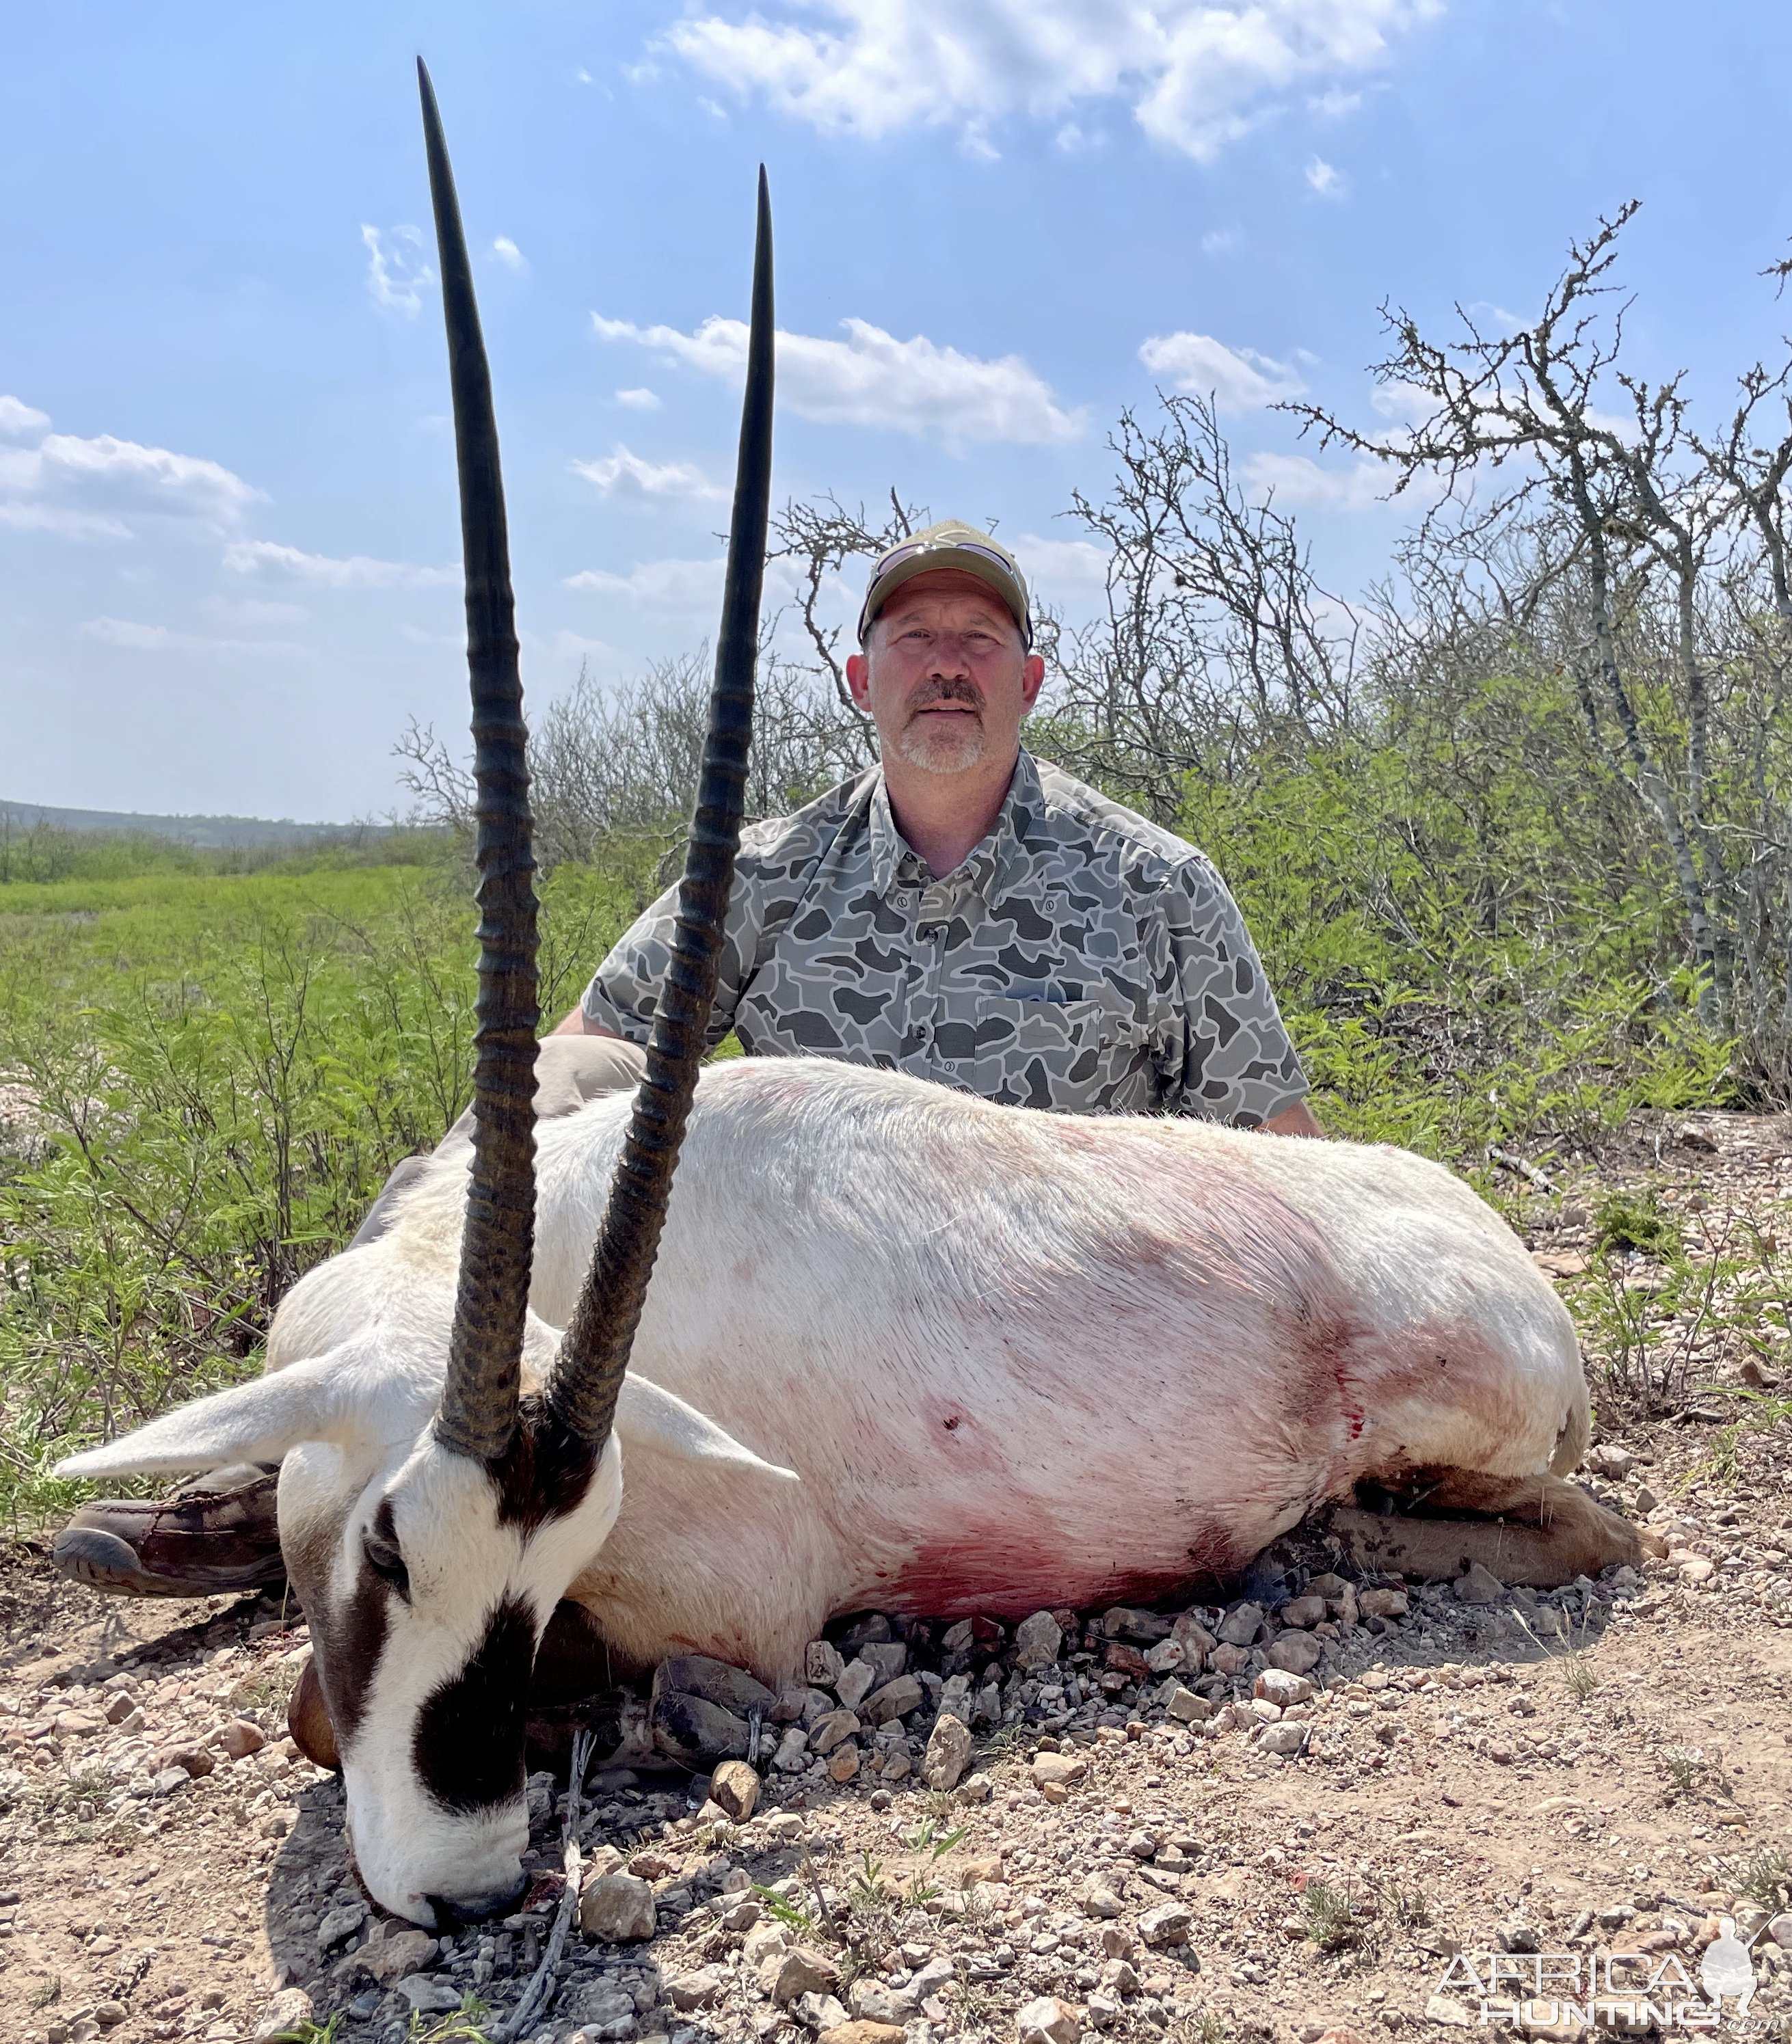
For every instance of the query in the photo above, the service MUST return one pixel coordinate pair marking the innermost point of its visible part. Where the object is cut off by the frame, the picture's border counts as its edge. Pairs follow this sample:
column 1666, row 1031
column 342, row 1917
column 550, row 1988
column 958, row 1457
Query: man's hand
column 1299, row 1120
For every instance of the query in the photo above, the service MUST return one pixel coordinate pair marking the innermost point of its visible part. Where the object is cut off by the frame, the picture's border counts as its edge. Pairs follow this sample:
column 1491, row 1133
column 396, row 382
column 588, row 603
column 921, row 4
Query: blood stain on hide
column 468, row 1744
column 996, row 1569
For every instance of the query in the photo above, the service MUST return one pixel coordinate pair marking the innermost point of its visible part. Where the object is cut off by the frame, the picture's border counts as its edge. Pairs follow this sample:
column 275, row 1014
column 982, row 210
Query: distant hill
column 216, row 832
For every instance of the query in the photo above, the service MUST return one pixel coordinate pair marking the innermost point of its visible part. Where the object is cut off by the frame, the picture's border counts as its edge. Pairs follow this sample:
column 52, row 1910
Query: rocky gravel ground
column 1338, row 1807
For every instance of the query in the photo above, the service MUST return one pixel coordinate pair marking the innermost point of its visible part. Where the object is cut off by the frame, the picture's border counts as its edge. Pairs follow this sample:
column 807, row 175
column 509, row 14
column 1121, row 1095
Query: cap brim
column 1013, row 596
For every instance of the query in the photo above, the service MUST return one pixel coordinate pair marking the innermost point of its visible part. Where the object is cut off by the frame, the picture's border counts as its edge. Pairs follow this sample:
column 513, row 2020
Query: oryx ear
column 659, row 1419
column 250, row 1423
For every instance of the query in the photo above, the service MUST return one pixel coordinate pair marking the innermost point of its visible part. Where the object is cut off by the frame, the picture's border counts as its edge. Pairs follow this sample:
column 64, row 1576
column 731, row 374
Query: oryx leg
column 1431, row 1523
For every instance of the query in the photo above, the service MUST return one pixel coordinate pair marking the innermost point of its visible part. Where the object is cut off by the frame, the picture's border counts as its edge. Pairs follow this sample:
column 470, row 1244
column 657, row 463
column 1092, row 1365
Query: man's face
column 944, row 675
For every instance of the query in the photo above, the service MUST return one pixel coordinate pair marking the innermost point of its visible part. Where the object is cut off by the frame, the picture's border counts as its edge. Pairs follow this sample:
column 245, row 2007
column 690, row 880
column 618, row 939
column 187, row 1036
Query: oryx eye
column 383, row 1557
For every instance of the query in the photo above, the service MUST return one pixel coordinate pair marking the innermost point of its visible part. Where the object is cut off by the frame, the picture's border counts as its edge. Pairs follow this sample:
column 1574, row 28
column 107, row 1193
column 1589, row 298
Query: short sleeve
column 1223, row 1052
column 623, row 995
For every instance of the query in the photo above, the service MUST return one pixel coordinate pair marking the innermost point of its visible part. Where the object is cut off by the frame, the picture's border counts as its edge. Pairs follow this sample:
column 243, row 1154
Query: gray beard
column 936, row 752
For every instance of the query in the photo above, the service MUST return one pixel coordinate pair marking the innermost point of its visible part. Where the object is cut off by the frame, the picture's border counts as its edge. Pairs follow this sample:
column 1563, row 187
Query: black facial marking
column 355, row 1649
column 468, row 1747
column 381, row 1552
column 544, row 1473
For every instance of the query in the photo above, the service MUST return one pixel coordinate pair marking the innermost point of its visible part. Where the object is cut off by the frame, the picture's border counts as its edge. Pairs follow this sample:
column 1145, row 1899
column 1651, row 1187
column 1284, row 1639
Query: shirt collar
column 894, row 864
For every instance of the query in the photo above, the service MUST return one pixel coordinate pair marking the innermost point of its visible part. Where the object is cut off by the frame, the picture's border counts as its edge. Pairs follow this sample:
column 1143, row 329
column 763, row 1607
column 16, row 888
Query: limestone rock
column 821, row 1664
column 857, row 1680
column 826, row 1733
column 238, row 1739
column 888, row 1658
column 1285, row 1739
column 1382, row 1604
column 1281, row 1688
column 859, row 2031
column 1048, row 2021
column 1165, row 1926
column 603, row 2009
column 785, row 1975
column 1478, row 1585
column 1299, row 1653
column 1036, row 1643
column 288, row 2009
column 1240, row 1626
column 948, row 1753
column 895, row 1699
column 694, row 1990
column 1142, row 1628
column 1063, row 1770
column 399, row 1952
column 694, row 1731
column 427, row 1996
column 701, row 1675
column 736, row 1786
column 617, row 1907
column 1185, row 1706
column 339, row 1925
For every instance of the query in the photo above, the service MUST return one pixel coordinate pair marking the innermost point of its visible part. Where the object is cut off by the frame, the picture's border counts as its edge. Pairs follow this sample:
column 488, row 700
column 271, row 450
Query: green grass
column 224, row 1054
column 222, row 1069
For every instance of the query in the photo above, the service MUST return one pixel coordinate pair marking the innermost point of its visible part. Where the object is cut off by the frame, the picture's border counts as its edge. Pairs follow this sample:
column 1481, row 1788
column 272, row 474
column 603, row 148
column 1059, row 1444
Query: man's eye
column 385, row 1560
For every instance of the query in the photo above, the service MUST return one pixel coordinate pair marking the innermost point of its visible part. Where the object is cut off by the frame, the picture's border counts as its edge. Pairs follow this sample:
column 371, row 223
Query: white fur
column 1016, row 1359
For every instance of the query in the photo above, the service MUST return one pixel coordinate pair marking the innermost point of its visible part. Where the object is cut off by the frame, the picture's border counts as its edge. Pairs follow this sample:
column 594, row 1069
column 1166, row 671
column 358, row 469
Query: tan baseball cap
column 951, row 544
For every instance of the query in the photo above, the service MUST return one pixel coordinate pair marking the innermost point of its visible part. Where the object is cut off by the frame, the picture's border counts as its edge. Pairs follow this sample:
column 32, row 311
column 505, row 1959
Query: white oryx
column 1011, row 1359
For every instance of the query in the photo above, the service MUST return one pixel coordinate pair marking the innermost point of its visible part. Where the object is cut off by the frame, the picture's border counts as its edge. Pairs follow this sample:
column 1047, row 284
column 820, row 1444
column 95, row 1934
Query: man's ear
column 659, row 1419
column 1032, row 680
column 250, row 1423
column 859, row 680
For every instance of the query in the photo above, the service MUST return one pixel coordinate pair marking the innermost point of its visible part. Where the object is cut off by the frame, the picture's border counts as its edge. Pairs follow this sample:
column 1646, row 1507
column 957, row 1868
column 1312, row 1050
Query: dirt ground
column 1600, row 1770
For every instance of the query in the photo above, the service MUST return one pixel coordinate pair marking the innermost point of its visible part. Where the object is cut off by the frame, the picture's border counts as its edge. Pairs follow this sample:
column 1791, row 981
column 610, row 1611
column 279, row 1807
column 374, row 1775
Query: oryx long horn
column 479, row 1410
column 594, row 1354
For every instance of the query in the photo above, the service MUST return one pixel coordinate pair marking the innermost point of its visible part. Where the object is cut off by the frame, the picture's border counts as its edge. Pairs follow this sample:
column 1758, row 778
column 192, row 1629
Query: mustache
column 954, row 690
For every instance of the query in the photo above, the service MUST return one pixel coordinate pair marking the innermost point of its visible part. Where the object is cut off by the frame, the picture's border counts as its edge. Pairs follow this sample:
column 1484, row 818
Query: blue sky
column 228, row 530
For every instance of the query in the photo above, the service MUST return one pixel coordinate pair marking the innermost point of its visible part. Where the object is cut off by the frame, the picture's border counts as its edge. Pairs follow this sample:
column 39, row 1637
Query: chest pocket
column 1076, row 1056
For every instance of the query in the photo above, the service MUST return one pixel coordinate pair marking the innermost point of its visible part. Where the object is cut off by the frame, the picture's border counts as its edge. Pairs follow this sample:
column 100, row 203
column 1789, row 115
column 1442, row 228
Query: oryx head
column 431, row 1516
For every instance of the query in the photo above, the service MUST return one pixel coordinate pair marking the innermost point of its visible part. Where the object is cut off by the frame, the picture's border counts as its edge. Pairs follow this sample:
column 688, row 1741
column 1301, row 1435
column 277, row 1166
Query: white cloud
column 1297, row 482
column 137, row 638
column 92, row 489
column 640, row 399
column 625, row 474
column 509, row 254
column 249, row 610
column 1326, row 179
column 65, row 524
column 1218, row 239
column 872, row 379
column 1335, row 103
column 267, row 557
column 1240, row 379
column 662, row 585
column 399, row 272
column 1067, row 574
column 1198, row 73
column 19, row 419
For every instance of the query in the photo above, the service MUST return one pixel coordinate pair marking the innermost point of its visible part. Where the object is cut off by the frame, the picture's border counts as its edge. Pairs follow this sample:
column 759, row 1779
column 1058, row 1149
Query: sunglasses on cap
column 895, row 558
column 916, row 548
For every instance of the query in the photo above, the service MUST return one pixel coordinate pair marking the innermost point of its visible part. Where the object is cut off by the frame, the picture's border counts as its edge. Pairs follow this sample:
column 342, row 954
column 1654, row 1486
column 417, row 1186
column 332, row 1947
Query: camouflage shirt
column 1080, row 959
